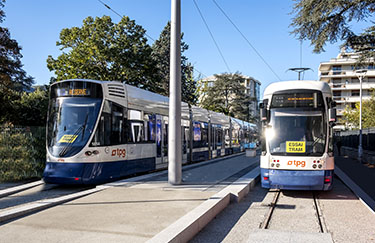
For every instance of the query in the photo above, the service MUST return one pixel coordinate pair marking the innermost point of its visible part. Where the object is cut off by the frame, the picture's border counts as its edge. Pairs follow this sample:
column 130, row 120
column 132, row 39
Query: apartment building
column 252, row 88
column 340, row 74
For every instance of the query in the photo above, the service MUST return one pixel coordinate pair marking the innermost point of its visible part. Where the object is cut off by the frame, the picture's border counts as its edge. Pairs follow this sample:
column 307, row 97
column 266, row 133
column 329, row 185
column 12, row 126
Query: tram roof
column 297, row 84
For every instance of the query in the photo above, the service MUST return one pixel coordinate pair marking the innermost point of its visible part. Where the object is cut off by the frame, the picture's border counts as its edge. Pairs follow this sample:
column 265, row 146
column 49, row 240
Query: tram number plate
column 295, row 146
column 68, row 138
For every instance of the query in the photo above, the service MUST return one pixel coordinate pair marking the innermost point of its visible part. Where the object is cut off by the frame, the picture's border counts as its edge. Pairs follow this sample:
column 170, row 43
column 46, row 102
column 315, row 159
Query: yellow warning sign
column 68, row 138
column 295, row 146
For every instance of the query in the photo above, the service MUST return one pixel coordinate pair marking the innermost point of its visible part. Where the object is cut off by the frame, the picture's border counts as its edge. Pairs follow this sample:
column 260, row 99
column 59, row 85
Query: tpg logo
column 297, row 163
column 119, row 152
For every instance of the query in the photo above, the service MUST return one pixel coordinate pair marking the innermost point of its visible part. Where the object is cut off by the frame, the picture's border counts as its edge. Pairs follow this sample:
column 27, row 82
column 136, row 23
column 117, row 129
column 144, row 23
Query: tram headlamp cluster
column 89, row 153
column 318, row 164
column 275, row 163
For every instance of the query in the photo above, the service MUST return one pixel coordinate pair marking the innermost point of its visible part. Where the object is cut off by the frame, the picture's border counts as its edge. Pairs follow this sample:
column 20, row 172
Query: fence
column 351, row 138
column 22, row 152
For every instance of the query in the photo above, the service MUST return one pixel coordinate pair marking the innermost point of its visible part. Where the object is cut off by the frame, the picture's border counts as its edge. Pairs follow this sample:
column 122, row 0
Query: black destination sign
column 289, row 100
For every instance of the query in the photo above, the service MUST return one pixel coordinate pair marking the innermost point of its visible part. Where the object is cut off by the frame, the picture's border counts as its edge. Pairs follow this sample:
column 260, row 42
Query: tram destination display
column 293, row 100
column 76, row 89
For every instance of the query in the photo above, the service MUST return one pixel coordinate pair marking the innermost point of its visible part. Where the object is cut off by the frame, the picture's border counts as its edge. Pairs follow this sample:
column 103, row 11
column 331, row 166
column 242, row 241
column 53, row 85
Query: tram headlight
column 270, row 133
column 88, row 153
column 314, row 166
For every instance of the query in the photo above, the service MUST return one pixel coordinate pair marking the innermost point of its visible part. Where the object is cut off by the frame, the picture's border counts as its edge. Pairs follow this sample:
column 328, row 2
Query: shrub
column 22, row 152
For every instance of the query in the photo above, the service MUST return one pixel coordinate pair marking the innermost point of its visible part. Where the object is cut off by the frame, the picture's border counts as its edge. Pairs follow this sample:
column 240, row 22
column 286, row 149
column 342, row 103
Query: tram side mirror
column 263, row 113
column 332, row 115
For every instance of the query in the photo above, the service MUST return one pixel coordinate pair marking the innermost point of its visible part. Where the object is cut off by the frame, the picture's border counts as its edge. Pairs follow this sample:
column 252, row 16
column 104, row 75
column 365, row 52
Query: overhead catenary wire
column 199, row 72
column 105, row 5
column 111, row 9
column 212, row 36
column 243, row 36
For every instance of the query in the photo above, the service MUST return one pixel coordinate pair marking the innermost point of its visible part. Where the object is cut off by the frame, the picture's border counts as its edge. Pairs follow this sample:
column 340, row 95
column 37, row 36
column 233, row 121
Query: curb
column 189, row 225
column 13, row 190
column 366, row 199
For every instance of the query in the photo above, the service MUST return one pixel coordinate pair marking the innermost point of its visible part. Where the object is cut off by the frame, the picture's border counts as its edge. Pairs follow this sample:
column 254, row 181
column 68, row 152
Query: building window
column 355, row 92
column 336, row 70
column 336, row 93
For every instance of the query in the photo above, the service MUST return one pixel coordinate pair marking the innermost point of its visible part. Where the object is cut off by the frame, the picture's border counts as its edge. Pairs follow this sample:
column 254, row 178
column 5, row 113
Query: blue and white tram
column 99, row 131
column 297, row 152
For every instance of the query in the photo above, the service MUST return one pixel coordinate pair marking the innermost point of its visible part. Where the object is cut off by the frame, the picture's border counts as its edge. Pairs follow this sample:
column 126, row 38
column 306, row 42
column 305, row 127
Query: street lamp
column 360, row 74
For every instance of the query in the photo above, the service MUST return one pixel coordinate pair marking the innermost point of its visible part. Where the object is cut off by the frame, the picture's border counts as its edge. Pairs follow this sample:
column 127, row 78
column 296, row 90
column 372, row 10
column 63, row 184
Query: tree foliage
column 26, row 108
column 322, row 21
column 161, row 54
column 13, row 79
column 12, row 76
column 103, row 50
column 227, row 95
column 351, row 116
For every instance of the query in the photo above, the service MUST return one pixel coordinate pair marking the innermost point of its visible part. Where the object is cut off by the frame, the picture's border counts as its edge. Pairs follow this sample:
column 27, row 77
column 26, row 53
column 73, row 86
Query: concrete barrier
column 251, row 152
column 189, row 225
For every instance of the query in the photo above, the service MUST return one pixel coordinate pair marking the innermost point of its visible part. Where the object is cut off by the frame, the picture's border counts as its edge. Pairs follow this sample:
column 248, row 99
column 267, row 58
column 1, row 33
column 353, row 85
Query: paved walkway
column 361, row 176
column 129, row 211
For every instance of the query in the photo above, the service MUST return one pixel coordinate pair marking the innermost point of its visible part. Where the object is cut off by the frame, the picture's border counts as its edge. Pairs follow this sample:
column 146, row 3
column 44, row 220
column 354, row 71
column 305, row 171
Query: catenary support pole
column 174, row 137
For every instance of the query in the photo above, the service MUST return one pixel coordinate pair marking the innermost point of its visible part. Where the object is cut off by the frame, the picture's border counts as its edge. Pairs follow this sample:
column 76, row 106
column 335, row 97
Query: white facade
column 340, row 75
column 252, row 88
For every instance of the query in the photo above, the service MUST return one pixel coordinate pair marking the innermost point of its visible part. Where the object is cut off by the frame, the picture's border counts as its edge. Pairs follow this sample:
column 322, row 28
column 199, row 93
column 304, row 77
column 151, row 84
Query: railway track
column 296, row 211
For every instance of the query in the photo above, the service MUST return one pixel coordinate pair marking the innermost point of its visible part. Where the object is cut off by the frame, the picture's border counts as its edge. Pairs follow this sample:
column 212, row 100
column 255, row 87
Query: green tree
column 351, row 116
column 103, row 50
column 227, row 95
column 32, row 108
column 161, row 54
column 13, row 79
column 330, row 20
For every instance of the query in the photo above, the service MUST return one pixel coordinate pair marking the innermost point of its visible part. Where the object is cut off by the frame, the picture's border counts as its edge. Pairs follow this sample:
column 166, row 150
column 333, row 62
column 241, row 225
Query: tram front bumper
column 296, row 179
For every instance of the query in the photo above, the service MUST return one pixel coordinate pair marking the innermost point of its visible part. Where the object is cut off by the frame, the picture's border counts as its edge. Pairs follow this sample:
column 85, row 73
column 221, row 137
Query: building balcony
column 334, row 73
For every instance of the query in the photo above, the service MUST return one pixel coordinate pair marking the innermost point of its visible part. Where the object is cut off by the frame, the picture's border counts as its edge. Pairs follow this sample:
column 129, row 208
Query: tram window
column 219, row 136
column 112, row 126
column 117, row 131
column 150, row 128
column 136, row 131
column 204, row 141
column 197, row 131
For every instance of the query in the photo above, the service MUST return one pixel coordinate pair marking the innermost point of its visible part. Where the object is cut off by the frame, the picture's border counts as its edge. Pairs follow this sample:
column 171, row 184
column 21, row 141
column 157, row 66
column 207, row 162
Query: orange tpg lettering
column 297, row 163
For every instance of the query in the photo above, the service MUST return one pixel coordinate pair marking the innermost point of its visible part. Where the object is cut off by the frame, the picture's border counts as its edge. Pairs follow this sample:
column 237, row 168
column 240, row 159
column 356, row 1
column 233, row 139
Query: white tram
column 297, row 151
column 100, row 131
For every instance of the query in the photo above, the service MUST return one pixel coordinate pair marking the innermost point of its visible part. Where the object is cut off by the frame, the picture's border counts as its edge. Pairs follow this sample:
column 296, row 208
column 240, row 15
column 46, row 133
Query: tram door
column 159, row 139
column 185, row 142
column 165, row 140
column 213, row 141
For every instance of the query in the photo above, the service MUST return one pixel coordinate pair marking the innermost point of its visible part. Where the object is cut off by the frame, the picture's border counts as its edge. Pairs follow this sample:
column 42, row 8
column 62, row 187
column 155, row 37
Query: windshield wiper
column 84, row 126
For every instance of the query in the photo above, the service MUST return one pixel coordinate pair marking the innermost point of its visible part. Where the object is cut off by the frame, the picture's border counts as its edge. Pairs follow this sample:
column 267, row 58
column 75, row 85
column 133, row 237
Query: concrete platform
column 138, row 211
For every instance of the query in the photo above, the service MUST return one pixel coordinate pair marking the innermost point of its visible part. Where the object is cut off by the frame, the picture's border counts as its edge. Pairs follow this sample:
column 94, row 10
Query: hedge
column 22, row 152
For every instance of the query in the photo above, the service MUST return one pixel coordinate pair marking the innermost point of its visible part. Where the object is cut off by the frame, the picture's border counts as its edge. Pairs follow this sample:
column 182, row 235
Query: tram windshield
column 71, row 123
column 297, row 132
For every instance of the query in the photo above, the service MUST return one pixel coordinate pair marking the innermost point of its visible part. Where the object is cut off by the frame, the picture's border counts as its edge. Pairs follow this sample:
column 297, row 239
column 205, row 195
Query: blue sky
column 36, row 26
